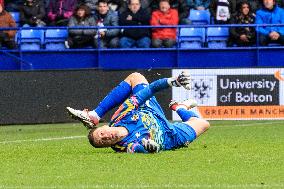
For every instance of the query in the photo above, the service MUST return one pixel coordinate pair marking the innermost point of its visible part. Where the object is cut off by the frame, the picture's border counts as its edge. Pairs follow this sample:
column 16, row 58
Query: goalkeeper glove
column 183, row 80
column 150, row 145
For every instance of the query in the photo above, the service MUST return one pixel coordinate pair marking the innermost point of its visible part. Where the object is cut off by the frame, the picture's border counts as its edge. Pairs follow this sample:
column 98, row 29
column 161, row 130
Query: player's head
column 104, row 136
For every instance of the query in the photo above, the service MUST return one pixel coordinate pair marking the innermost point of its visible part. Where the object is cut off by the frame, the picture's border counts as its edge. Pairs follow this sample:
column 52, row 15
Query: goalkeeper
column 139, row 125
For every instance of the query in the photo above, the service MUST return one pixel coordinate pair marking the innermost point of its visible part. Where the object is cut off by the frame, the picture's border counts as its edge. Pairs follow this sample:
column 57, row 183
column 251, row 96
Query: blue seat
column 16, row 17
column 55, row 38
column 198, row 17
column 217, row 37
column 30, row 39
column 192, row 38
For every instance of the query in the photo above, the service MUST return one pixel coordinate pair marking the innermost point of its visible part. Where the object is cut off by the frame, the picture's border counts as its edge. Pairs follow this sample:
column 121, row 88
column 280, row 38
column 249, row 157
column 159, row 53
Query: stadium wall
column 41, row 96
column 113, row 59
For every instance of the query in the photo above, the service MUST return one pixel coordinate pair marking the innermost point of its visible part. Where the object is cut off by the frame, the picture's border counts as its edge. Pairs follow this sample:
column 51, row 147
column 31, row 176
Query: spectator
column 221, row 10
column 254, row 4
column 59, row 11
column 270, row 14
column 135, row 16
column 79, row 38
column 32, row 13
column 164, row 37
column 106, row 17
column 90, row 3
column 180, row 5
column 242, row 36
column 7, row 37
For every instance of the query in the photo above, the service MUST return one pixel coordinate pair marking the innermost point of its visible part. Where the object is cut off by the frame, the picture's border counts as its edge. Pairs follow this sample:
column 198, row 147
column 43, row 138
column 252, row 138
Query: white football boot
column 83, row 116
column 187, row 104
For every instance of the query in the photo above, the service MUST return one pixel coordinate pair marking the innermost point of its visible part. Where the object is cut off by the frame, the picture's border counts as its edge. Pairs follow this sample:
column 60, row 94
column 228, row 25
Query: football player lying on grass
column 139, row 125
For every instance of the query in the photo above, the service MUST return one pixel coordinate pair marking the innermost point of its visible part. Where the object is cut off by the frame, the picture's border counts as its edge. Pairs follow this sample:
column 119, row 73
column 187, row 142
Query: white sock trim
column 94, row 114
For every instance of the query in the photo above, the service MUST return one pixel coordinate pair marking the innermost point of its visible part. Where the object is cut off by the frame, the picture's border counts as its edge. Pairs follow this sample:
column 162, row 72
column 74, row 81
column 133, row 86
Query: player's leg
column 190, row 117
column 120, row 93
column 115, row 97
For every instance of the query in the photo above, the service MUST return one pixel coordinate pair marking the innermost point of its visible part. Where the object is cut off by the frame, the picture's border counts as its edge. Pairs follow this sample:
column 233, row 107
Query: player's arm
column 183, row 80
column 147, row 146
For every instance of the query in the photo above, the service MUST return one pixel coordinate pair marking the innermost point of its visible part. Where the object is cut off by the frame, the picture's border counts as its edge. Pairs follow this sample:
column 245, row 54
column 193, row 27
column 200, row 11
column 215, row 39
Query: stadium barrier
column 42, row 96
column 248, row 93
column 136, row 58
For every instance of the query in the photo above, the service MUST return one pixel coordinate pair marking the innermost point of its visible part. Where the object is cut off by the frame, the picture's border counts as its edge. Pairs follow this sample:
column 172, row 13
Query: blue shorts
column 182, row 133
column 185, row 134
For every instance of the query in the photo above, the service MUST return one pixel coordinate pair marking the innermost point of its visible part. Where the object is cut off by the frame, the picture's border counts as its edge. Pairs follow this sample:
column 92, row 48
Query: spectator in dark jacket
column 222, row 10
column 270, row 14
column 135, row 16
column 7, row 36
column 32, row 13
column 79, row 38
column 180, row 5
column 105, row 17
column 59, row 11
column 242, row 36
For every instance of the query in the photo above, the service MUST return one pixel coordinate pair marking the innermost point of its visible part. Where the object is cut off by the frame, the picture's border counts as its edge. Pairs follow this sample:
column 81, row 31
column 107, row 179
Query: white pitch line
column 251, row 124
column 42, row 139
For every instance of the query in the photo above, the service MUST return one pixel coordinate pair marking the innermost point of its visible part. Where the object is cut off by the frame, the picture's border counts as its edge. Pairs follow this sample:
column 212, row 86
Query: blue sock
column 149, row 91
column 185, row 115
column 115, row 97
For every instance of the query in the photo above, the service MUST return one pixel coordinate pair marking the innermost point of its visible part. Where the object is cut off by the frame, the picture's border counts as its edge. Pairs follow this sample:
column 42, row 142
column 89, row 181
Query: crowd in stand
column 37, row 13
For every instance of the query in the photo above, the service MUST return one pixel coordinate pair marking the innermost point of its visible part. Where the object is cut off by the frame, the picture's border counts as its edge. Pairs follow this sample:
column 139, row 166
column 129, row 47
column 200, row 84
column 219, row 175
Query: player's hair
column 91, row 138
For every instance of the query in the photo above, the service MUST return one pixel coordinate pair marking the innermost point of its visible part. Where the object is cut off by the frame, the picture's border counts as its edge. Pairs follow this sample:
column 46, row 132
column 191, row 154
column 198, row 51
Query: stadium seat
column 30, row 39
column 55, row 38
column 16, row 16
column 192, row 38
column 217, row 37
column 198, row 17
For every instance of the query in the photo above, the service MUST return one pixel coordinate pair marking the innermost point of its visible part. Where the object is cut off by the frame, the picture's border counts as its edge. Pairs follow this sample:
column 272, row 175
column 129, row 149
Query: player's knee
column 205, row 124
column 136, row 78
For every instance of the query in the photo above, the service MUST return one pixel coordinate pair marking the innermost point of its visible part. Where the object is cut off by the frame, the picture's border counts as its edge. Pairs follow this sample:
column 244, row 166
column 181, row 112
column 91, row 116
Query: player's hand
column 183, row 80
column 150, row 145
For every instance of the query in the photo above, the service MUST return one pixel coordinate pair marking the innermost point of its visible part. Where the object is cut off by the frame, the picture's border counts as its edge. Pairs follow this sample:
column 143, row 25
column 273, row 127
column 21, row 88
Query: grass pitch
column 232, row 154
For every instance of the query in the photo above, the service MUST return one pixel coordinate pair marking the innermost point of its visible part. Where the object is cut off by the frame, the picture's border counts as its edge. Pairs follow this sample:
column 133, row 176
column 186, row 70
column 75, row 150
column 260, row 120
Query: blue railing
column 119, row 58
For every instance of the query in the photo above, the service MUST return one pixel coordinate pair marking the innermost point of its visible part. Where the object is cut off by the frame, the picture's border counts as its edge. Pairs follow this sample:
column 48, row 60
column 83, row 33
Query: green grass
column 232, row 154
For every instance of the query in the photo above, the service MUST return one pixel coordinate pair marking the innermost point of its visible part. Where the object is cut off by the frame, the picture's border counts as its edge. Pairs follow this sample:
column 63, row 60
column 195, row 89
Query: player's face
column 106, row 136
